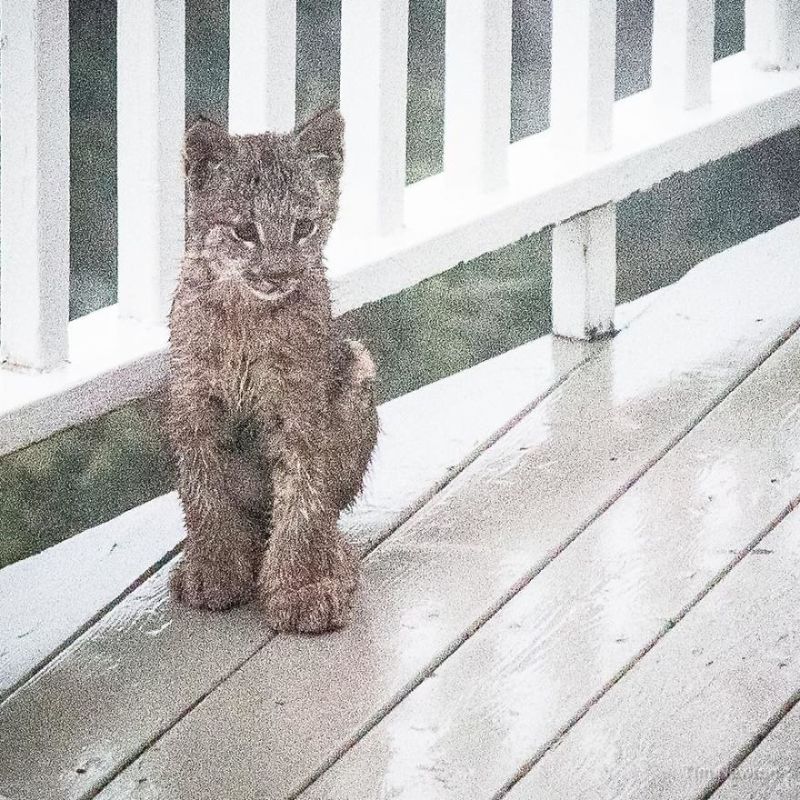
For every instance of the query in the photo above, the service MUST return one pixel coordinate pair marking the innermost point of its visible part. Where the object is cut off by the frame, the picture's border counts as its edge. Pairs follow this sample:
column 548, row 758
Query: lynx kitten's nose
column 254, row 273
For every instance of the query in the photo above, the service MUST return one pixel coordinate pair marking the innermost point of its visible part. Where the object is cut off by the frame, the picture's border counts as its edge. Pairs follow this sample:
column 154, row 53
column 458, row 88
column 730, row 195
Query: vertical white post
column 150, row 126
column 374, row 71
column 584, row 274
column 772, row 33
column 683, row 52
column 262, row 66
column 477, row 120
column 34, row 166
column 583, row 72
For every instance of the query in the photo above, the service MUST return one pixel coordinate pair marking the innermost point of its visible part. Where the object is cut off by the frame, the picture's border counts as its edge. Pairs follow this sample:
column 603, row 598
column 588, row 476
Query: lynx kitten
column 271, row 411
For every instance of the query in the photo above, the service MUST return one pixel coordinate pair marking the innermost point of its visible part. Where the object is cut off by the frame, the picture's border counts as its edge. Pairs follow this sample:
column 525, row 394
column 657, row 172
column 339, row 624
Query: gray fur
column 271, row 411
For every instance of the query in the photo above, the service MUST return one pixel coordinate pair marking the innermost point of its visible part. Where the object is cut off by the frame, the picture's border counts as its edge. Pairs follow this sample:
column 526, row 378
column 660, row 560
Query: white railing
column 390, row 236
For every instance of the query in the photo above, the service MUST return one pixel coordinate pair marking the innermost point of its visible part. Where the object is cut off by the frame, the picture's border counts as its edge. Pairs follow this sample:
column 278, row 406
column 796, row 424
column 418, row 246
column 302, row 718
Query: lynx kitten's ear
column 322, row 137
column 206, row 144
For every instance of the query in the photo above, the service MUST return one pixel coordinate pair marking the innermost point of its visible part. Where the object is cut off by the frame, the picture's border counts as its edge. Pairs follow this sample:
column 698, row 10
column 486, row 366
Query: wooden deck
column 581, row 579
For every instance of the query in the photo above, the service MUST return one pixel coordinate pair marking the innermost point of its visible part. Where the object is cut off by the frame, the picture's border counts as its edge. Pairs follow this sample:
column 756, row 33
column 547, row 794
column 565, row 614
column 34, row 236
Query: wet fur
column 271, row 411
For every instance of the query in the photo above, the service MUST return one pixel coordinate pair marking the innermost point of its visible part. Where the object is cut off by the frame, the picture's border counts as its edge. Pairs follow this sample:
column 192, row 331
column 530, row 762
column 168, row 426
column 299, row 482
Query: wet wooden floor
column 581, row 579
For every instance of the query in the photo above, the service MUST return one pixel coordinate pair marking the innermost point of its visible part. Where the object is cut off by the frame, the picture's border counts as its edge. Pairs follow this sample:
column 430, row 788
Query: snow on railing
column 491, row 193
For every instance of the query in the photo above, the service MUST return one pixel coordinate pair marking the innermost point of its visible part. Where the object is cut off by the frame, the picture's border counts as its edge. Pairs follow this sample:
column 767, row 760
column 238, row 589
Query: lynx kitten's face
column 260, row 208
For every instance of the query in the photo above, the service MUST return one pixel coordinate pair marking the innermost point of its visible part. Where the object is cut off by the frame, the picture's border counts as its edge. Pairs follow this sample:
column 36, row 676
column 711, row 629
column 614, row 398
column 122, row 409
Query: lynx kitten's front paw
column 312, row 608
column 324, row 604
column 211, row 586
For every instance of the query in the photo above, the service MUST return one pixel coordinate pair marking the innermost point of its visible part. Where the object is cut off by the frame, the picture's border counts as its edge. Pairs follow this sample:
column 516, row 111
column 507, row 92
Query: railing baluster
column 772, row 33
column 262, row 66
column 150, row 125
column 584, row 274
column 477, row 94
column 34, row 246
column 373, row 100
column 582, row 116
column 584, row 60
column 683, row 52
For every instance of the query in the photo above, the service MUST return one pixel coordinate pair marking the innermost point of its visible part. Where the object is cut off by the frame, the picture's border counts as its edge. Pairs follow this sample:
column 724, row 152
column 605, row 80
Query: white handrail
column 596, row 153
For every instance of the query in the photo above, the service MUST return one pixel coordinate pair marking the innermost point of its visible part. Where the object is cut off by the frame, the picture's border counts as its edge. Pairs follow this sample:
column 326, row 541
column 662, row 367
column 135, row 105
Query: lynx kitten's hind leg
column 354, row 419
column 362, row 368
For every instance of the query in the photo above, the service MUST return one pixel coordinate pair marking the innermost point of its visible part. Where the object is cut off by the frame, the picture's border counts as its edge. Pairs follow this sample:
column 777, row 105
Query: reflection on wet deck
column 580, row 580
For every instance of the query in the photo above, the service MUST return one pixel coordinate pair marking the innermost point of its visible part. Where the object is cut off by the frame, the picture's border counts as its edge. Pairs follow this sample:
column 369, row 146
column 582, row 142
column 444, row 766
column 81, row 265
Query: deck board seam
column 120, row 768
column 540, row 566
column 745, row 752
column 476, row 453
column 415, row 508
column 670, row 625
column 44, row 662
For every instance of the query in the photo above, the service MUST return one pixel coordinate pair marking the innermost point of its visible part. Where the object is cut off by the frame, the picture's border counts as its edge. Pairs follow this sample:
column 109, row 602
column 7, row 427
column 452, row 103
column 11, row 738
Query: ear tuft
column 322, row 137
column 206, row 144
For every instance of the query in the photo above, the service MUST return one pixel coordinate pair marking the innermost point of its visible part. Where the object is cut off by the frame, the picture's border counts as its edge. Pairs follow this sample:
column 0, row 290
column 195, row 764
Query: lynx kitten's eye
column 303, row 229
column 247, row 232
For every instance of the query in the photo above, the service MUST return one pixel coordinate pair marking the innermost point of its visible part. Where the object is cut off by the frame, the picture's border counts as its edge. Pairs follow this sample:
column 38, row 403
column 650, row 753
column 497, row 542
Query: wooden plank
column 112, row 557
column 34, row 162
column 477, row 119
column 683, row 52
column 770, row 771
column 147, row 662
column 585, row 274
column 566, row 637
column 477, row 542
column 40, row 608
column 261, row 94
column 699, row 700
column 584, row 64
column 373, row 87
column 150, row 127
column 772, row 33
